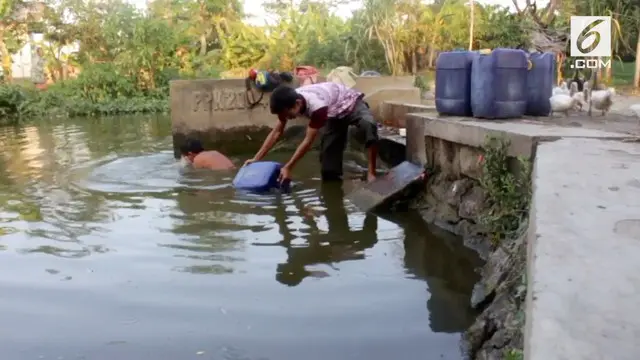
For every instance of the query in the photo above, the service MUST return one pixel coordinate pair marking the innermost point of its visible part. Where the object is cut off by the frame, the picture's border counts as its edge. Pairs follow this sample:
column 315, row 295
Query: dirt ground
column 620, row 119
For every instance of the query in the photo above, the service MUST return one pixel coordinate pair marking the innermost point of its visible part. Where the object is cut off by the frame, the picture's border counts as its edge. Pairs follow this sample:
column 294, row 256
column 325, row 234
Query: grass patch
column 623, row 73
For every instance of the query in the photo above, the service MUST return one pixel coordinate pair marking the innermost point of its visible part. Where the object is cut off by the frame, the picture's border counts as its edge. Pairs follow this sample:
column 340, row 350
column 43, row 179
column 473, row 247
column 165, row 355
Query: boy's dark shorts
column 334, row 140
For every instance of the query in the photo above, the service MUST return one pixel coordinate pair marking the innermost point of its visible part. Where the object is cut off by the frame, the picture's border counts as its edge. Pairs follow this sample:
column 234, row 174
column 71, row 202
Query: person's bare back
column 212, row 160
column 193, row 151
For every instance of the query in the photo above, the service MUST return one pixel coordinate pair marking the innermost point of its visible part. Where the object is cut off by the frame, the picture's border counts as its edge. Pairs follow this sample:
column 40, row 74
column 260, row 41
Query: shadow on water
column 109, row 249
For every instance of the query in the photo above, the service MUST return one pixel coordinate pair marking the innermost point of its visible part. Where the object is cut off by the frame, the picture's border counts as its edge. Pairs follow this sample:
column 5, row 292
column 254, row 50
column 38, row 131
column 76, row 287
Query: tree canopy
column 393, row 36
column 124, row 51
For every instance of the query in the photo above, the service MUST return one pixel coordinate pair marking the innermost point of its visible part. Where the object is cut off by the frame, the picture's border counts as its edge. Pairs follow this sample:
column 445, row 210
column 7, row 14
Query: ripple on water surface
column 117, row 252
column 158, row 172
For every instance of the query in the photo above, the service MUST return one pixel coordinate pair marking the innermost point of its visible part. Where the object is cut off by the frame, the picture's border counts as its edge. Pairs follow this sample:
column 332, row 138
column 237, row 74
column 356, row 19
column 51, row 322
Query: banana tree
column 382, row 25
column 413, row 31
column 360, row 51
column 438, row 16
column 618, row 41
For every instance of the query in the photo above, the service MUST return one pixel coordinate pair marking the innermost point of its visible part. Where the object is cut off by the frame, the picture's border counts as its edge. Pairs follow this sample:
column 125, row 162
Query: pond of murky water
column 111, row 250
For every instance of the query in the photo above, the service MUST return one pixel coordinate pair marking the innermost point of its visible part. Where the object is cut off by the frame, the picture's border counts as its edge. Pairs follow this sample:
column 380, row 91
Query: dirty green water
column 111, row 250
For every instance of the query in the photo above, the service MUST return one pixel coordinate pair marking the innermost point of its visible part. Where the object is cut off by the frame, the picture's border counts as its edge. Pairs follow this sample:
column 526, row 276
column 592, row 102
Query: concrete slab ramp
column 383, row 190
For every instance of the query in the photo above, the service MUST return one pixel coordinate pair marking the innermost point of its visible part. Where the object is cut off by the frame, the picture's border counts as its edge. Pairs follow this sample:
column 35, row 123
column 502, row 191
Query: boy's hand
column 249, row 161
column 285, row 175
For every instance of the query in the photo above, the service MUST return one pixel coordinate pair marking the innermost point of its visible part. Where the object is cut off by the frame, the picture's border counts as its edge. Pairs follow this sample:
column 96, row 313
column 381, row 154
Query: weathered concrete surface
column 584, row 251
column 217, row 113
column 614, row 122
column 620, row 119
column 394, row 113
column 454, row 144
column 523, row 134
column 368, row 84
column 386, row 189
column 378, row 101
column 416, row 151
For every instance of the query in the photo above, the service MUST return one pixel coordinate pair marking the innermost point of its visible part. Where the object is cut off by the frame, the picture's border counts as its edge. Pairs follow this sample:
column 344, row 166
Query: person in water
column 199, row 158
column 332, row 106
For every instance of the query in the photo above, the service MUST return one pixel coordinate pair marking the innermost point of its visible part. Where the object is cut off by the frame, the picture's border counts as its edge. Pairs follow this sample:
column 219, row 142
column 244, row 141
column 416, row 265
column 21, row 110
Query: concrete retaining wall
column 216, row 111
column 582, row 242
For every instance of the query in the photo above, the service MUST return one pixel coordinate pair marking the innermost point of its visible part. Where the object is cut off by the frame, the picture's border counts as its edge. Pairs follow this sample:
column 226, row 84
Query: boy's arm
column 271, row 139
column 317, row 120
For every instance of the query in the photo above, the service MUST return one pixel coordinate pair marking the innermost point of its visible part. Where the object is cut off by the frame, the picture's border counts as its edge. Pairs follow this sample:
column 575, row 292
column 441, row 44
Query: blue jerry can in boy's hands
column 259, row 176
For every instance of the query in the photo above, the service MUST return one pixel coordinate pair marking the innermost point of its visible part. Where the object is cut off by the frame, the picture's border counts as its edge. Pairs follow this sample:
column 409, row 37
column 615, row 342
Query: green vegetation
column 507, row 181
column 623, row 73
column 125, row 58
column 514, row 354
column 508, row 186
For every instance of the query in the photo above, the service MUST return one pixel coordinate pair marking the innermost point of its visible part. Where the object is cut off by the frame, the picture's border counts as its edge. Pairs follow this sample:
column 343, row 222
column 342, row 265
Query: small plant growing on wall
column 507, row 181
column 514, row 354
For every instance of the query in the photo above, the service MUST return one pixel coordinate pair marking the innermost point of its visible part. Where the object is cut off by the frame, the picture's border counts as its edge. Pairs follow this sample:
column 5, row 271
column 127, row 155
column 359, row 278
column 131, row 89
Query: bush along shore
column 18, row 103
column 487, row 204
column 98, row 90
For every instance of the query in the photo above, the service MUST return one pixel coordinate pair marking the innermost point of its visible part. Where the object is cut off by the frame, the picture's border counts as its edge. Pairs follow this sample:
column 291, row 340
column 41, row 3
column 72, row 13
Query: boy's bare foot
column 371, row 177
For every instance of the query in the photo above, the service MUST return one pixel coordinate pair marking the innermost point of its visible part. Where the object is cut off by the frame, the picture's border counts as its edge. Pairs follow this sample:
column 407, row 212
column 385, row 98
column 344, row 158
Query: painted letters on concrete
column 224, row 100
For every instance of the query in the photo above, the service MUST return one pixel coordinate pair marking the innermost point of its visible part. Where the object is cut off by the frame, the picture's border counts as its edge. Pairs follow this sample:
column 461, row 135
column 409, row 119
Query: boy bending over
column 328, row 105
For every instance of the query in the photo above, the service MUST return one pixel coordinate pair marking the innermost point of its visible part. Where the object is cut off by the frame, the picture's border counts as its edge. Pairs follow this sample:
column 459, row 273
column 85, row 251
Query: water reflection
column 100, row 225
column 337, row 244
column 444, row 265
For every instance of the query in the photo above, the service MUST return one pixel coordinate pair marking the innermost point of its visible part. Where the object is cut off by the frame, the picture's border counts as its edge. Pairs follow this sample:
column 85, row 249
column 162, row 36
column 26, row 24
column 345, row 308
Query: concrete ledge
column 378, row 100
column 473, row 132
column 394, row 113
column 366, row 84
column 584, row 252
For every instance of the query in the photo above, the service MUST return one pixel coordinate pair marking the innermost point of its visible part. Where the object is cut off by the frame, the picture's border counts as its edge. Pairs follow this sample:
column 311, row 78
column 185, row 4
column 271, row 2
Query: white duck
column 580, row 100
column 577, row 95
column 603, row 99
column 562, row 89
column 562, row 103
column 573, row 88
